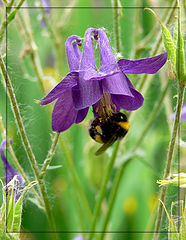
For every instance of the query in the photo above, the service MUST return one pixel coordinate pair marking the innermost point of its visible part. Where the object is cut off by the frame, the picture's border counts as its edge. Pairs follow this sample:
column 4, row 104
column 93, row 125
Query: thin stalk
column 15, row 160
column 25, row 28
column 79, row 209
column 112, row 198
column 66, row 14
column 56, row 39
column 76, row 181
column 103, row 190
column 151, row 117
column 8, row 20
column 138, row 29
column 122, row 168
column 50, row 155
column 170, row 155
column 18, row 118
column 117, row 26
column 26, row 143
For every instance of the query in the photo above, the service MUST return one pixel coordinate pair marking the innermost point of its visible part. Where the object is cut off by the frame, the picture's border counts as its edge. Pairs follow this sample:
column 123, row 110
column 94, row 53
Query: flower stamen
column 105, row 107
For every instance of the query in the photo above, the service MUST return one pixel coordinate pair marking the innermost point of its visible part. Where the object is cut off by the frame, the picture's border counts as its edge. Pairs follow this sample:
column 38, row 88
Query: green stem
column 26, row 143
column 151, row 117
column 9, row 18
column 15, row 160
column 103, row 190
column 122, row 168
column 117, row 26
column 25, row 28
column 56, row 39
column 170, row 155
column 76, row 181
column 112, row 198
column 50, row 155
column 18, row 118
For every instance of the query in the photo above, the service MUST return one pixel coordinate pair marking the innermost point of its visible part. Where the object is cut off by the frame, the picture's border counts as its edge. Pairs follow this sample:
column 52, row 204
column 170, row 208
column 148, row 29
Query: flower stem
column 56, row 39
column 121, row 169
column 103, row 189
column 6, row 21
column 76, row 181
column 112, row 198
column 170, row 155
column 23, row 23
column 50, row 155
column 18, row 118
column 117, row 26
column 26, row 143
column 15, row 160
column 151, row 117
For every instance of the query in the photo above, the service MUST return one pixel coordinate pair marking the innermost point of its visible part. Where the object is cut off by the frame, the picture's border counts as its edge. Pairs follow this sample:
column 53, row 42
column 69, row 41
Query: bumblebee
column 108, row 130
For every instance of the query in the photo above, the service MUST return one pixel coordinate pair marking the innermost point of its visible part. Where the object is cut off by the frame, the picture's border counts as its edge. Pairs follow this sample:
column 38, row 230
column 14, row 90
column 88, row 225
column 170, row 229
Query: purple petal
column 81, row 114
column 117, row 84
column 86, row 93
column 73, row 52
column 92, row 74
column 106, row 55
column 146, row 65
column 127, row 102
column 88, row 61
column 9, row 170
column 67, row 83
column 108, row 63
column 64, row 114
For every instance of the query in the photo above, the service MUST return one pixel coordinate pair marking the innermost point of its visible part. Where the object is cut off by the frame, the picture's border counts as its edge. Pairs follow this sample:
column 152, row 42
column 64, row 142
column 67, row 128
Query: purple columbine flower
column 10, row 172
column 106, row 89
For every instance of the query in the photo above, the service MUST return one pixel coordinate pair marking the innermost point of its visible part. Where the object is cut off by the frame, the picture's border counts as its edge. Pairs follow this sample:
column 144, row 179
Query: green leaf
column 180, row 58
column 10, row 208
column 17, row 215
column 175, row 34
column 11, row 16
column 168, row 42
column 182, row 232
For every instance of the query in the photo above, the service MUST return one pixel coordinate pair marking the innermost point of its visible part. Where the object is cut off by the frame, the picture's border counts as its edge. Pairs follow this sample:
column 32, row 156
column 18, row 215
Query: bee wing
column 106, row 145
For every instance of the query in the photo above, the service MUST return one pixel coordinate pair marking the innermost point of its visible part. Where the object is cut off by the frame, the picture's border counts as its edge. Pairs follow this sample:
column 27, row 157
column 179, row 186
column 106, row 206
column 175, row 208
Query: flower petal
column 73, row 52
column 67, row 83
column 86, row 93
column 64, row 114
column 127, row 102
column 10, row 172
column 88, row 61
column 81, row 114
column 117, row 84
column 106, row 55
column 146, row 65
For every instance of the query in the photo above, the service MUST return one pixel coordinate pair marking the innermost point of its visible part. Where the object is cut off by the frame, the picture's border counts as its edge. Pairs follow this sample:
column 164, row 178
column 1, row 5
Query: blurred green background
column 138, row 192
